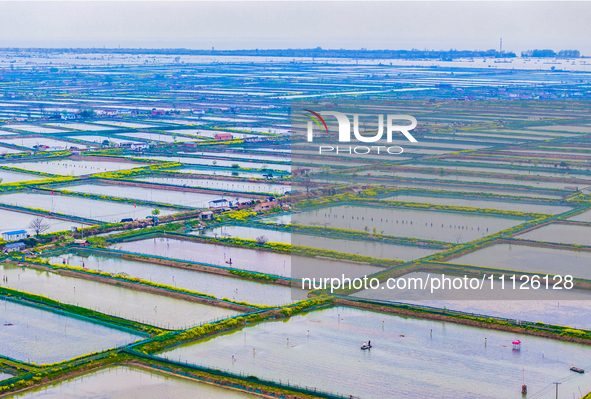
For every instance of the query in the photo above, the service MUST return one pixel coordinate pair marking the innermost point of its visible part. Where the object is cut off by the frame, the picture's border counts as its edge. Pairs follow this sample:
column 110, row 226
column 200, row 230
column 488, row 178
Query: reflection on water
column 560, row 233
column 11, row 221
column 246, row 259
column 84, row 207
column 68, row 167
column 547, row 306
column 433, row 225
column 406, row 360
column 220, row 286
column 482, row 203
column 126, row 382
column 530, row 259
column 221, row 184
column 164, row 196
column 40, row 336
column 130, row 304
column 361, row 247
column 240, row 258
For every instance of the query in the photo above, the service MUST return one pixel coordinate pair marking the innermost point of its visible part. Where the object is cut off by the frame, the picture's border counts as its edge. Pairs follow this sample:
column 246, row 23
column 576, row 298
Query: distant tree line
column 551, row 53
column 314, row 52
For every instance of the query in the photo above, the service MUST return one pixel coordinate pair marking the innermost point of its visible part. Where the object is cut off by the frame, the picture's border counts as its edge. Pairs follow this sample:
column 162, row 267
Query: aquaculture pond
column 128, row 124
column 280, row 219
column 210, row 133
column 517, row 205
column 521, row 191
column 211, row 171
column 477, row 179
column 159, row 137
column 68, row 167
column 244, row 186
column 583, row 217
column 100, row 139
column 426, row 224
column 220, row 286
column 34, row 129
column 82, row 126
column 362, row 247
column 11, row 220
column 158, row 310
column 160, row 195
column 548, row 307
column 531, row 171
column 4, row 376
column 31, row 142
column 6, row 150
column 238, row 258
column 223, row 162
column 118, row 382
column 530, row 259
column 11, row 177
column 322, row 349
column 106, row 211
column 40, row 336
column 561, row 233
column 246, row 155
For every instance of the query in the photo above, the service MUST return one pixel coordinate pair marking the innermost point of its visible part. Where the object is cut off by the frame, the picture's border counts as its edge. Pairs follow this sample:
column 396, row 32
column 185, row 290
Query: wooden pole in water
column 557, row 383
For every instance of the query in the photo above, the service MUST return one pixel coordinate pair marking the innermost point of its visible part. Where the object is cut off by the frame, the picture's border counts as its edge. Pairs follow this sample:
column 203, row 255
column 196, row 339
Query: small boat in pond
column 365, row 346
column 577, row 370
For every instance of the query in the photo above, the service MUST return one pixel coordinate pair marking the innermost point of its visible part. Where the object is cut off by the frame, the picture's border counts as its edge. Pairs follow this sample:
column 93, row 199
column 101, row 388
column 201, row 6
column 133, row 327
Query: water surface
column 39, row 336
column 406, row 361
column 130, row 304
column 118, row 382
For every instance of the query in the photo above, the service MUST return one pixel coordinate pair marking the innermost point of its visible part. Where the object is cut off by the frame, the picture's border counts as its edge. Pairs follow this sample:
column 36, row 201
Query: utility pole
column 557, row 383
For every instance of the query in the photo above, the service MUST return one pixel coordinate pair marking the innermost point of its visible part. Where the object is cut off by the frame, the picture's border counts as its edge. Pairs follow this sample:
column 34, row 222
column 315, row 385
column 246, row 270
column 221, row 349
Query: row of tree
column 550, row 53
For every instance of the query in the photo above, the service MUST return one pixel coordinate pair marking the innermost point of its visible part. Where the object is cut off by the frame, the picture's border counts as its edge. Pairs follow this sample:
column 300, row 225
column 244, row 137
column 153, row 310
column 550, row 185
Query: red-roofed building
column 265, row 206
column 223, row 136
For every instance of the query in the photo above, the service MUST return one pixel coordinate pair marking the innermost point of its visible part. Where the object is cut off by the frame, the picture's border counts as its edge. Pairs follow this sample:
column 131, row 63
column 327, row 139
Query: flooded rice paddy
column 452, row 362
column 158, row 310
column 41, row 336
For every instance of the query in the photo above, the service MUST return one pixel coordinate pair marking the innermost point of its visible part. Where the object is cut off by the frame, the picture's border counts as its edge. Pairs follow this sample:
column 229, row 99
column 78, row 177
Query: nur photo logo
column 395, row 124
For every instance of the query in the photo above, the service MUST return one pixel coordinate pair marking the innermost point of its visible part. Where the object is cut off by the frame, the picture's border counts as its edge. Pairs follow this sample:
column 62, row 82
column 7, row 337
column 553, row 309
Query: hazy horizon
column 281, row 25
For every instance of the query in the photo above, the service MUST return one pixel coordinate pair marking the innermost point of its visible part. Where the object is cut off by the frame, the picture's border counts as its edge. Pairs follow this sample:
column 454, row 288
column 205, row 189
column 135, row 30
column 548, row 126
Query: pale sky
column 470, row 25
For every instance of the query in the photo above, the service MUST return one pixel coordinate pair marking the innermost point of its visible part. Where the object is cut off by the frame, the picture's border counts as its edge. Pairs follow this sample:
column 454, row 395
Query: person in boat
column 369, row 343
column 365, row 344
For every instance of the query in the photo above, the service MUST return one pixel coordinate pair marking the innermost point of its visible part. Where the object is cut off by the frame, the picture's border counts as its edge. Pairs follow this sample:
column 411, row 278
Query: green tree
column 156, row 212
